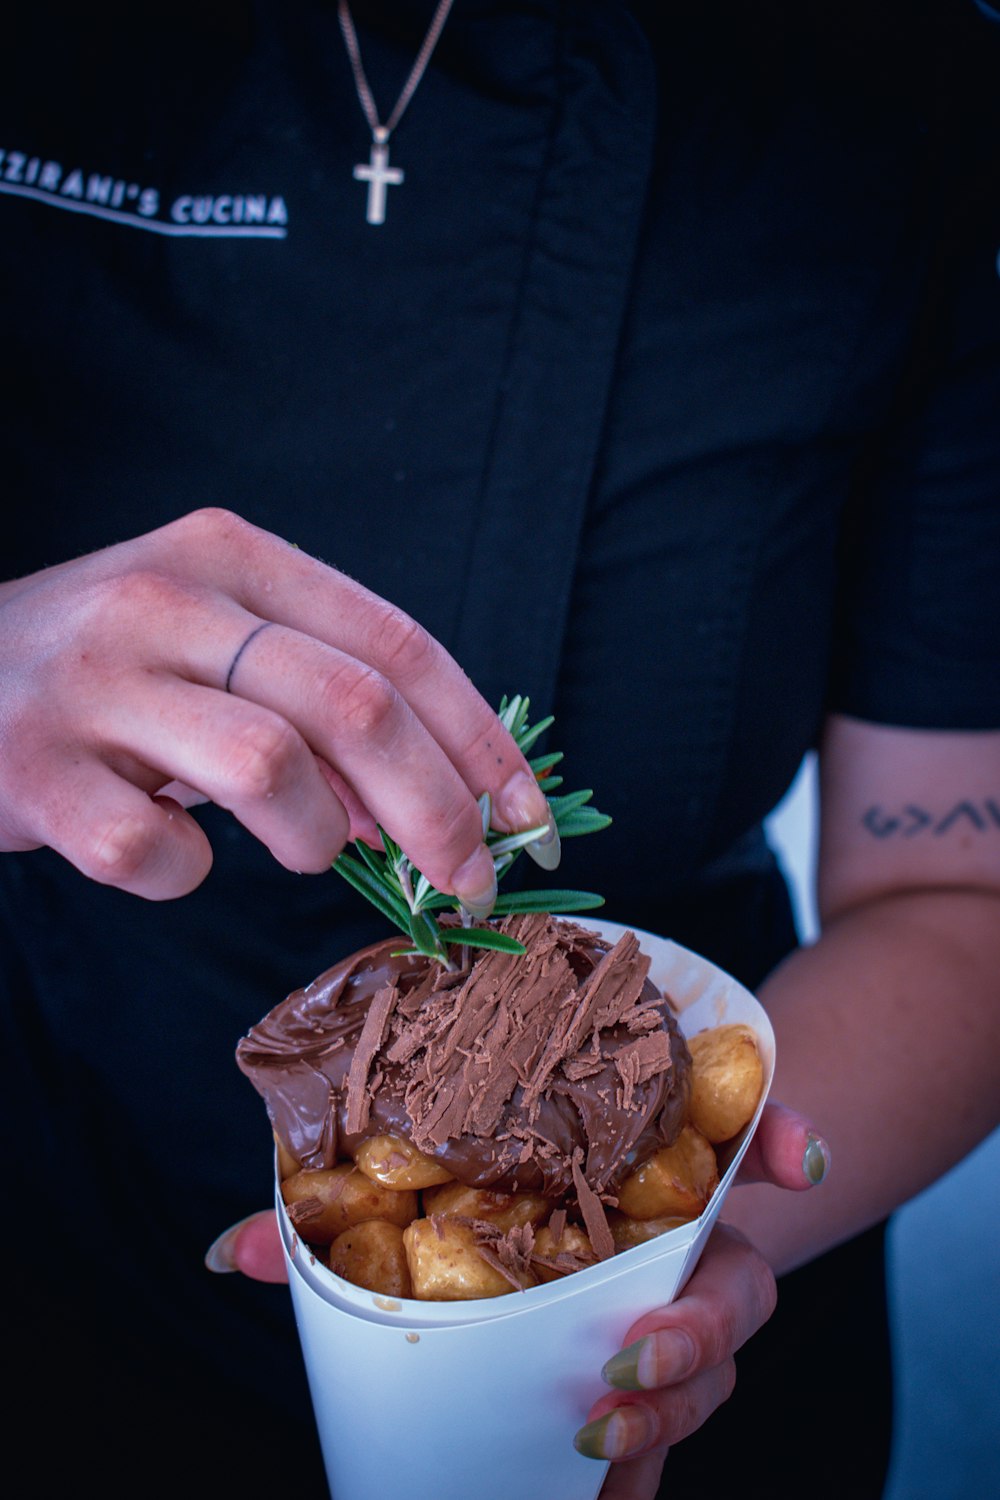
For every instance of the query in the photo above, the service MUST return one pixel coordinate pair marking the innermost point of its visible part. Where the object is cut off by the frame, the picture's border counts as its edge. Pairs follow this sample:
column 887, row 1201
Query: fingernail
column 522, row 805
column 657, row 1360
column 219, row 1256
column 815, row 1160
column 547, row 850
column 476, row 883
column 618, row 1434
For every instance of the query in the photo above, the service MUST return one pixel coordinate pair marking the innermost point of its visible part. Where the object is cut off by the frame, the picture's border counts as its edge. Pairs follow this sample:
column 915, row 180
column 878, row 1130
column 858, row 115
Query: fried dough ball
column 323, row 1203
column 396, row 1163
column 677, row 1181
column 445, row 1263
column 372, row 1255
column 726, row 1080
column 573, row 1243
column 287, row 1163
column 505, row 1210
column 627, row 1233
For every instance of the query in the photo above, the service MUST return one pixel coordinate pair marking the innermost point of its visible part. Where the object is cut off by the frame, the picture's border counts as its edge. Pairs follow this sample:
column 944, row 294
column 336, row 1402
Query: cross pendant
column 378, row 174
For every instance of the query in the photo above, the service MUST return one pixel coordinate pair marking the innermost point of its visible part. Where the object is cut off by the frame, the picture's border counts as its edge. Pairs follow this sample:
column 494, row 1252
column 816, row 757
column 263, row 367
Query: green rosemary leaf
column 527, row 737
column 425, row 934
column 543, row 763
column 481, row 937
column 374, row 861
column 438, row 902
column 549, row 783
column 513, row 712
column 583, row 820
column 570, row 901
column 392, row 850
column 516, row 902
column 422, row 892
column 568, row 802
column 392, row 907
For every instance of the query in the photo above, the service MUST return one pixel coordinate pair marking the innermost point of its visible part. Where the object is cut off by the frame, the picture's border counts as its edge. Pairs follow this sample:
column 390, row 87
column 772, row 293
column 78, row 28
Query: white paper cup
column 442, row 1399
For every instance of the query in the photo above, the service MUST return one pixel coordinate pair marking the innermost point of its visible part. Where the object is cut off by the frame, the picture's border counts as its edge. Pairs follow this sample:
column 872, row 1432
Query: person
column 662, row 387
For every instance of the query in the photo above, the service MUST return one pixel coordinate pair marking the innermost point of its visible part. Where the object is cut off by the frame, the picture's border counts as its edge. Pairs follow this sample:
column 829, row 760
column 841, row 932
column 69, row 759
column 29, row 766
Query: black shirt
column 667, row 393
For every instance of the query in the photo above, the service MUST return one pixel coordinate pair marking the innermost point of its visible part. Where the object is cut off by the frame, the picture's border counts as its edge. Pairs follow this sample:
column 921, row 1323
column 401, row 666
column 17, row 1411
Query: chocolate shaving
column 507, row 1251
column 372, row 1036
column 498, row 1031
column 303, row 1211
column 627, row 1067
column 594, row 1218
column 613, row 987
column 652, row 1052
column 575, row 1068
column 565, row 1263
column 639, row 1061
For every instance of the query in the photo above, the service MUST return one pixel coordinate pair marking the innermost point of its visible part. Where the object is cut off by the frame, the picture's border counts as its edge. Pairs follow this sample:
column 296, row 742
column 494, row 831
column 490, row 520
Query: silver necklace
column 377, row 172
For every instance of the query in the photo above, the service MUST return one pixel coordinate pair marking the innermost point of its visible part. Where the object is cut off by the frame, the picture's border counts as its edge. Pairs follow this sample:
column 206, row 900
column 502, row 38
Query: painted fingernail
column 618, row 1434
column 657, row 1360
column 815, row 1160
column 476, row 883
column 220, row 1255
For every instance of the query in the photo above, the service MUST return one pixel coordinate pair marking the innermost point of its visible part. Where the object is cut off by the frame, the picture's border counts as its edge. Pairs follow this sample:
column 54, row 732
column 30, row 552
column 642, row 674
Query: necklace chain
column 380, row 132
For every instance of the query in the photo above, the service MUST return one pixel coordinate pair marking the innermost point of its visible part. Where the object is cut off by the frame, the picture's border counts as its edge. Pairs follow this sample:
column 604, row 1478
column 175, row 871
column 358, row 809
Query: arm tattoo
column 982, row 815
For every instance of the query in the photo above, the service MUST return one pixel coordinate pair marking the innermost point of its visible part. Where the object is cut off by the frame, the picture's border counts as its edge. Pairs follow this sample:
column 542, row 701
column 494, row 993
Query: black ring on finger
column 235, row 661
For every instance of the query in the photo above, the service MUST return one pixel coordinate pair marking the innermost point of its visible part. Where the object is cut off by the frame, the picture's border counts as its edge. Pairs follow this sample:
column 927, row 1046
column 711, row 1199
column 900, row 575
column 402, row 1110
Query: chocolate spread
column 557, row 1071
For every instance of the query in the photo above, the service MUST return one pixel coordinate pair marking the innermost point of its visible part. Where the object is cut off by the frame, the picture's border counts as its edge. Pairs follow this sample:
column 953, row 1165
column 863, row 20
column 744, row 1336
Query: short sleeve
column 917, row 640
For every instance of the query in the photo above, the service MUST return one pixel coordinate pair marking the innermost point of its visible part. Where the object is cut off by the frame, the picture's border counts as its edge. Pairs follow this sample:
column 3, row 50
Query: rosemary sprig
column 405, row 897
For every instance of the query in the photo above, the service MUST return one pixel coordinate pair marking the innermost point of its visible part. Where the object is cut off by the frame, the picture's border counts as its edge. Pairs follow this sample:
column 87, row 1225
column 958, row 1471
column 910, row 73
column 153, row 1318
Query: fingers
column 252, row 1246
column 358, row 722
column 731, row 1293
column 622, row 1428
column 216, row 659
column 729, row 1296
column 362, row 824
column 94, row 806
column 786, row 1150
column 240, row 756
column 118, row 835
column 276, row 581
column 677, row 1363
column 638, row 1479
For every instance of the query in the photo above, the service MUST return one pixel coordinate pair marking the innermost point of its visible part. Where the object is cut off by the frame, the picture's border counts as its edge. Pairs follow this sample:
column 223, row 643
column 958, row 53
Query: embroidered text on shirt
column 101, row 196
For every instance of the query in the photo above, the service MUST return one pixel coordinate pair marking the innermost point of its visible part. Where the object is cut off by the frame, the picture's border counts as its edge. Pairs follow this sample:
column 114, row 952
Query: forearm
column 888, row 1037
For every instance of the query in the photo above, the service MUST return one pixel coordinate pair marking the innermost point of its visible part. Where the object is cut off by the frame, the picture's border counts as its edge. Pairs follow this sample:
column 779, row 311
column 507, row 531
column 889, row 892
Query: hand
column 686, row 1349
column 681, row 1356
column 210, row 660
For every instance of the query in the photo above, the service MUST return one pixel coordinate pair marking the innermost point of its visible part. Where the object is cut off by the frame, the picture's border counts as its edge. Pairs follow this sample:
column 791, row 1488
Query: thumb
column 252, row 1246
column 786, row 1150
